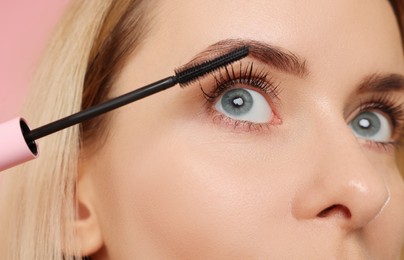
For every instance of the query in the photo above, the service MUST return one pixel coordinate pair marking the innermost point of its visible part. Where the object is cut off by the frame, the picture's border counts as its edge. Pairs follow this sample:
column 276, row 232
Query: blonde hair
column 86, row 53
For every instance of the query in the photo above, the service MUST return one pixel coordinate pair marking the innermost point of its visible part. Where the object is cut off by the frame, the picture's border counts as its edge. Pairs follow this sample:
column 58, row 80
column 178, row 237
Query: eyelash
column 391, row 108
column 248, row 75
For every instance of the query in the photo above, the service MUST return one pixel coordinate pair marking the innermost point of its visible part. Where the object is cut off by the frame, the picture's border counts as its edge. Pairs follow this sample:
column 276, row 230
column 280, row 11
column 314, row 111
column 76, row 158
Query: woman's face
column 286, row 155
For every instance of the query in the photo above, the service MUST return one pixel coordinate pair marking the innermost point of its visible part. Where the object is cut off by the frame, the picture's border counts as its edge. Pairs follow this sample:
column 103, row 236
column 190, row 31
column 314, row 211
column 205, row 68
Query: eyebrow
column 276, row 57
column 382, row 82
column 289, row 62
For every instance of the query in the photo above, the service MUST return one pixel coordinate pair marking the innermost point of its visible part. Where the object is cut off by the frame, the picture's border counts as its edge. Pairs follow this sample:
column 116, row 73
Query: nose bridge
column 341, row 178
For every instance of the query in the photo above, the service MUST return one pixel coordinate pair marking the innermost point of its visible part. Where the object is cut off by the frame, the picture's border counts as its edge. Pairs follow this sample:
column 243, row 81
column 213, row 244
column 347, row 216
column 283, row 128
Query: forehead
column 356, row 30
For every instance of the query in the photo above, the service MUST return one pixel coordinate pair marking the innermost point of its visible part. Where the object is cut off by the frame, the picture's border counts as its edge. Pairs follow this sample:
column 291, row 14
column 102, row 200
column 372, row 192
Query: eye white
column 244, row 105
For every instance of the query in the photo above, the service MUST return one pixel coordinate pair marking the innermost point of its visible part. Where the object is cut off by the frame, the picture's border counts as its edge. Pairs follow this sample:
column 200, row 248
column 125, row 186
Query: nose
column 340, row 183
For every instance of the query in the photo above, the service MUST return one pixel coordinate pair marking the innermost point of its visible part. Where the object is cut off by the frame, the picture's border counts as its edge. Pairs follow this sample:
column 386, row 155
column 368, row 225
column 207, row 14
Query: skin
column 174, row 181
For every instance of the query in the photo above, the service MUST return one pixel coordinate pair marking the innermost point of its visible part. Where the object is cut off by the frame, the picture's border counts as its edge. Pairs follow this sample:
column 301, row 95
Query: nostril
column 336, row 210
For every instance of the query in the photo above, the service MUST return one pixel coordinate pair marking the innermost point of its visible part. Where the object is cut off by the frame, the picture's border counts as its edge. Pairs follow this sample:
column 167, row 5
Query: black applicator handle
column 17, row 141
column 100, row 109
column 184, row 76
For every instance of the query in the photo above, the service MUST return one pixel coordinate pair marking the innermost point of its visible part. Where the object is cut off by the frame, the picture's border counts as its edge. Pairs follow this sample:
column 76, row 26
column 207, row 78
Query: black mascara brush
column 17, row 141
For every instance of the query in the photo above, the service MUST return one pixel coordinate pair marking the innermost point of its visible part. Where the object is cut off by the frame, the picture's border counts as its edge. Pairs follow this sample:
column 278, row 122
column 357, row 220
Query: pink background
column 25, row 27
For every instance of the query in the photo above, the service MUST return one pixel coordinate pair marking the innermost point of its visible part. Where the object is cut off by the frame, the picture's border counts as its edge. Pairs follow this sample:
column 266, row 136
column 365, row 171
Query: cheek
column 183, row 182
column 391, row 222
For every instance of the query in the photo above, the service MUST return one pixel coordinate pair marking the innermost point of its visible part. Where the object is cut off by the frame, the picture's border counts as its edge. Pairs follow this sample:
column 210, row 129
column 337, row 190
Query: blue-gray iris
column 237, row 102
column 366, row 124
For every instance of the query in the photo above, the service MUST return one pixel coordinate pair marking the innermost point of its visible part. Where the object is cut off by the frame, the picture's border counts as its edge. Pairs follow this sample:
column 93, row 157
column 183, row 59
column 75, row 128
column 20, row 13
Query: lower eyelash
column 387, row 147
column 237, row 124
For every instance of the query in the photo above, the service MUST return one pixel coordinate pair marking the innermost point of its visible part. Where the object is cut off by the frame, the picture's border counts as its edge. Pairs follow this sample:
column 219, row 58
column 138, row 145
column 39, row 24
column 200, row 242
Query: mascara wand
column 17, row 141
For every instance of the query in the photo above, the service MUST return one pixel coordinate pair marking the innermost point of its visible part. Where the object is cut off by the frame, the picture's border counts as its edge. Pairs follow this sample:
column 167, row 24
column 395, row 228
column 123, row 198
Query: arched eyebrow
column 274, row 56
column 289, row 62
column 382, row 82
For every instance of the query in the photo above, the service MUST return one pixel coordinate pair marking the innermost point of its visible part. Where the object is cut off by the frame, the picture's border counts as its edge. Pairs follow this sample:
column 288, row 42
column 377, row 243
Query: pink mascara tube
column 14, row 149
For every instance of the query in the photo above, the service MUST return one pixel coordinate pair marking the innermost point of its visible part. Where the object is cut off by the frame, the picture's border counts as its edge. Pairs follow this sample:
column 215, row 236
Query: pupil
column 238, row 101
column 364, row 123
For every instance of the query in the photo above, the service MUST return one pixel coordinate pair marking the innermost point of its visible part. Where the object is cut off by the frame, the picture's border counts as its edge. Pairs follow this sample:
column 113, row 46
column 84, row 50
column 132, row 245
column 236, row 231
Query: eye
column 373, row 126
column 244, row 105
